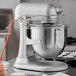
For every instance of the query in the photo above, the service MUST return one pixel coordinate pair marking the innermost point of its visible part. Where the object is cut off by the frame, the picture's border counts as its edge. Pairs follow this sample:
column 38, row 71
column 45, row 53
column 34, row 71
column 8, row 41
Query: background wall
column 69, row 7
column 9, row 3
column 12, row 46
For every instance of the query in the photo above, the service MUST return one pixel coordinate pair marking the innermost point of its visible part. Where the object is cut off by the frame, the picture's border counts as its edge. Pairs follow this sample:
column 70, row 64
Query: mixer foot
column 39, row 65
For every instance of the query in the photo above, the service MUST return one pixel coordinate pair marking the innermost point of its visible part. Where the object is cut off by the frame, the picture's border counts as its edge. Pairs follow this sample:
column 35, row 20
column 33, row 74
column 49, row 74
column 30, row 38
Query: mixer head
column 37, row 13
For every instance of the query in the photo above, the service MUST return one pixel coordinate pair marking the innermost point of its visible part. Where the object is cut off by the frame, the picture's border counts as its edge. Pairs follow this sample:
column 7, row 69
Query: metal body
column 47, row 37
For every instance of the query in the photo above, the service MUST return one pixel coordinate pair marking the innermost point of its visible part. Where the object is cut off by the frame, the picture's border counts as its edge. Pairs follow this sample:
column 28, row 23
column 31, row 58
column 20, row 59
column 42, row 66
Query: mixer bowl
column 51, row 40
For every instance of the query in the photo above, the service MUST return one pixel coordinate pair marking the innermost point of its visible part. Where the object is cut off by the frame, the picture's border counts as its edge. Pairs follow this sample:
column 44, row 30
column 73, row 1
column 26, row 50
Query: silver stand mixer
column 47, row 37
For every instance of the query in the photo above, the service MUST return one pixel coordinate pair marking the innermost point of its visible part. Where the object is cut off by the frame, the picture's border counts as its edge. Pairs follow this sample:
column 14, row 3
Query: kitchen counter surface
column 70, row 71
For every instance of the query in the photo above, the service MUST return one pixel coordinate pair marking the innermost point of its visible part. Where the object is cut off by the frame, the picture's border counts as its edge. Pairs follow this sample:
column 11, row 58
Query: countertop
column 70, row 71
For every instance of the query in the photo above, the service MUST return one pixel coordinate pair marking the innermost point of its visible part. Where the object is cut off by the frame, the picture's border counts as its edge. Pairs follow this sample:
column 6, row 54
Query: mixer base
column 40, row 65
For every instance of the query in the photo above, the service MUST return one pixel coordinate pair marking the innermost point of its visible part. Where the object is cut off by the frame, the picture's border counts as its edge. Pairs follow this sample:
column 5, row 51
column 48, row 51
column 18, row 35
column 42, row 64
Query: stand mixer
column 47, row 37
